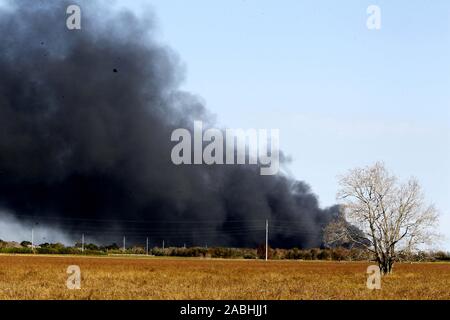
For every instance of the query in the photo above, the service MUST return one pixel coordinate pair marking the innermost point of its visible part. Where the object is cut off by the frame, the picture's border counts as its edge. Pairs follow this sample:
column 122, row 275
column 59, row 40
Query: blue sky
column 342, row 95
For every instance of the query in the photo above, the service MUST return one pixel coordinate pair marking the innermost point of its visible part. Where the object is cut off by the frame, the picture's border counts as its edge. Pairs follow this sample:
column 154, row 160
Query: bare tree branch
column 391, row 216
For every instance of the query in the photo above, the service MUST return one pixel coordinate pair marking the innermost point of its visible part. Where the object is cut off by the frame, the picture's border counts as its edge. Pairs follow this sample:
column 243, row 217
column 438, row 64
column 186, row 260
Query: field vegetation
column 141, row 277
column 335, row 254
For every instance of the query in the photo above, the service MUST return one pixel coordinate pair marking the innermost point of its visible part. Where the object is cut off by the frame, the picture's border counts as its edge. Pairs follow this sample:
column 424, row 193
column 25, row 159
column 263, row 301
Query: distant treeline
column 335, row 254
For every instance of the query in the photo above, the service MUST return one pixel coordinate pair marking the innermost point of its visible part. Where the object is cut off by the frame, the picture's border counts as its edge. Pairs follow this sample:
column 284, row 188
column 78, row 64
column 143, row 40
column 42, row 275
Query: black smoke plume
column 85, row 123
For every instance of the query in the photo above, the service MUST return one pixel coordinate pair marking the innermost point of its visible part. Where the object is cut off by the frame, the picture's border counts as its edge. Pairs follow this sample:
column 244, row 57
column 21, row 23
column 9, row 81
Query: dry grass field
column 44, row 277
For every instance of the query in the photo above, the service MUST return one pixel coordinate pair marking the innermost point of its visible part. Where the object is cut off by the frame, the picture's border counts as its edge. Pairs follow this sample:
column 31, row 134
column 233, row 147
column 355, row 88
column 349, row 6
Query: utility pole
column 32, row 238
column 146, row 247
column 124, row 247
column 163, row 245
column 267, row 240
column 82, row 242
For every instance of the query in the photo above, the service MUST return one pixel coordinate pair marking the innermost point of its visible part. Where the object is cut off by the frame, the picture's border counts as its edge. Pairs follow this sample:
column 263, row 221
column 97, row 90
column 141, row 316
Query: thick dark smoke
column 85, row 123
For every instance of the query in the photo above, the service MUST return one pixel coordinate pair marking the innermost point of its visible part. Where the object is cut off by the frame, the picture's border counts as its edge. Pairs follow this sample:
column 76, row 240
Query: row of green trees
column 336, row 254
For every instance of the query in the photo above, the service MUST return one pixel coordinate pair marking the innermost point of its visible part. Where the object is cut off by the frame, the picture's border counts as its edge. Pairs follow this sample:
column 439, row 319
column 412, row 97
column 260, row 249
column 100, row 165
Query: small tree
column 392, row 216
column 261, row 252
column 25, row 244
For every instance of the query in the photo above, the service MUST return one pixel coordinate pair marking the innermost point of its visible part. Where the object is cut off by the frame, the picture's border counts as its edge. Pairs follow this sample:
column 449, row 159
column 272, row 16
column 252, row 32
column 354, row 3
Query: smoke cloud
column 85, row 123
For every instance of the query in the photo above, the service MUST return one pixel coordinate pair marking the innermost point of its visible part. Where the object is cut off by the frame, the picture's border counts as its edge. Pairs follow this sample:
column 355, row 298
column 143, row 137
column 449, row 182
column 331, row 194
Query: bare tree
column 391, row 216
column 339, row 233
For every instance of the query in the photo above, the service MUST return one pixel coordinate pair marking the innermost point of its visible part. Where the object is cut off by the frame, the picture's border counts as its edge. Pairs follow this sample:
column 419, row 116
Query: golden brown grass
column 44, row 277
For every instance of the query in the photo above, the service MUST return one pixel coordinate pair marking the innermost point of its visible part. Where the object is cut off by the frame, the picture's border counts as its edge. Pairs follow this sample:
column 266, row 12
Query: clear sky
column 342, row 95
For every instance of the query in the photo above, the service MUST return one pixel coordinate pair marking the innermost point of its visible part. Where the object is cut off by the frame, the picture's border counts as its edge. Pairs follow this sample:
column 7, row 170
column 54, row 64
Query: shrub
column 250, row 255
column 91, row 246
column 442, row 256
column 324, row 254
column 314, row 253
column 261, row 252
column 339, row 254
column 224, row 253
column 157, row 252
column 16, row 250
column 25, row 244
column 293, row 254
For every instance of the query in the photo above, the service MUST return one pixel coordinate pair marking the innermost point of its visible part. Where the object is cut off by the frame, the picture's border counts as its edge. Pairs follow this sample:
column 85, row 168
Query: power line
column 33, row 217
column 179, row 231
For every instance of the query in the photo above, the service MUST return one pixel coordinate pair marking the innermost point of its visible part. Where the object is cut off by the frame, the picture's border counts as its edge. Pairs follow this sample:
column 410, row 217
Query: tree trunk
column 386, row 266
